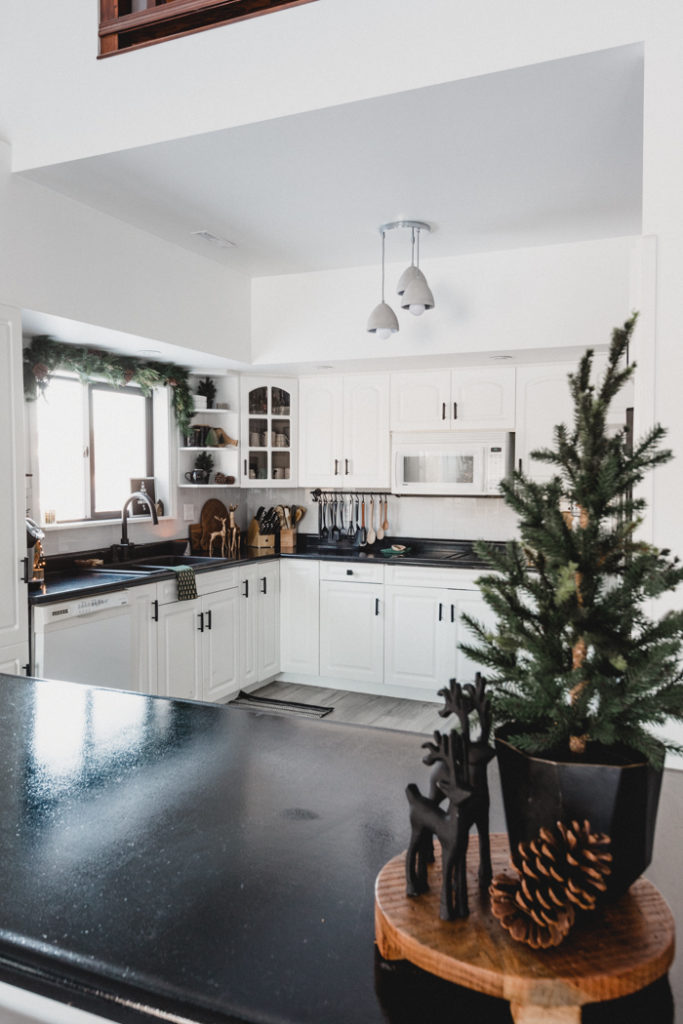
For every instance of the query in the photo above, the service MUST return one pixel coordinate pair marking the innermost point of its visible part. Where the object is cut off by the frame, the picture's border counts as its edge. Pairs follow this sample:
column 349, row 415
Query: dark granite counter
column 65, row 580
column 173, row 860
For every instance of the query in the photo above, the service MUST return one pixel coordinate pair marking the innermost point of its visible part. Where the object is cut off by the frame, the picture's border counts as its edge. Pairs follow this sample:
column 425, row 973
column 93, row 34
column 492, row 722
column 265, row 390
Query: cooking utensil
column 351, row 532
column 385, row 524
column 372, row 536
column 324, row 532
column 297, row 513
column 320, row 518
column 363, row 531
column 335, row 529
column 380, row 526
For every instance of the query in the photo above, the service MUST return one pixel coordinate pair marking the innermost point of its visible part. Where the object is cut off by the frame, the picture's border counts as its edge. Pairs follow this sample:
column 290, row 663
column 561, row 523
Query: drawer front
column 426, row 576
column 356, row 572
column 207, row 583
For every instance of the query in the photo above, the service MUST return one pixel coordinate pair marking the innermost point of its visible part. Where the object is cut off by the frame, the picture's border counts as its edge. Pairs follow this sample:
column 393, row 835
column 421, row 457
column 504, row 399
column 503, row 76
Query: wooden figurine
column 460, row 777
column 220, row 534
column 233, row 533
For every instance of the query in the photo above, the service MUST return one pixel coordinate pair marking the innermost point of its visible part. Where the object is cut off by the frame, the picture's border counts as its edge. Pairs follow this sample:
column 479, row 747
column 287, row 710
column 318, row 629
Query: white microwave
column 463, row 464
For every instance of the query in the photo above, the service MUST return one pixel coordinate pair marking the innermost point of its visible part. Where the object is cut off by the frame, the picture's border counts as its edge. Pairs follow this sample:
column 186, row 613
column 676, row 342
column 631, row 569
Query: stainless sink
column 173, row 561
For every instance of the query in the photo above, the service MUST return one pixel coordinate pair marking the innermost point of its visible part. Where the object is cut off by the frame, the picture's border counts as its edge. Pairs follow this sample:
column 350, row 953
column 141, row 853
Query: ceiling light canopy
column 412, row 286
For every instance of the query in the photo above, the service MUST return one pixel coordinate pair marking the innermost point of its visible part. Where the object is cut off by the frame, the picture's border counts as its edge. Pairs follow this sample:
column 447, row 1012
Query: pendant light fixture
column 412, row 286
column 383, row 321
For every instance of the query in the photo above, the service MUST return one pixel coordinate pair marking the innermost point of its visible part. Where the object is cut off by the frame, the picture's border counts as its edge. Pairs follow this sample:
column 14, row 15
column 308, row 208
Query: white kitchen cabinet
column 179, row 650
column 259, row 615
column 474, row 605
column 418, row 638
column 268, row 432
column 13, row 567
column 300, row 616
column 14, row 660
column 198, row 640
column 144, row 615
column 469, row 398
column 352, row 630
column 344, row 431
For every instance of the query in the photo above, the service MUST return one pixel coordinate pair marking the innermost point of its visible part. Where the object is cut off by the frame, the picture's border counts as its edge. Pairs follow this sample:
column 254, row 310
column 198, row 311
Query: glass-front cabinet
column 268, row 432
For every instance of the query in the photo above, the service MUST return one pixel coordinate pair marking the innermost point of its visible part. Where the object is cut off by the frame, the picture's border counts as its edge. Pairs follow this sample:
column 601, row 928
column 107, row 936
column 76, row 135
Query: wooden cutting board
column 211, row 508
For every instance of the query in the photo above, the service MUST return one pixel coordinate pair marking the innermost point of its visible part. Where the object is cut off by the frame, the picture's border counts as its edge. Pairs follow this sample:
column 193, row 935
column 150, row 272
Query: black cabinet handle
column 155, row 613
column 519, row 465
column 24, row 578
column 264, row 581
column 336, row 467
column 452, row 613
column 201, row 622
column 440, row 611
column 245, row 467
column 349, row 572
column 27, row 669
column 443, row 410
column 346, row 463
column 455, row 410
column 376, row 606
column 245, row 592
column 208, row 619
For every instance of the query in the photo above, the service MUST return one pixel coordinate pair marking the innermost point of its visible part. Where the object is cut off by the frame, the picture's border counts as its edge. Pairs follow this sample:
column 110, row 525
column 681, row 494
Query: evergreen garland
column 45, row 355
column 575, row 661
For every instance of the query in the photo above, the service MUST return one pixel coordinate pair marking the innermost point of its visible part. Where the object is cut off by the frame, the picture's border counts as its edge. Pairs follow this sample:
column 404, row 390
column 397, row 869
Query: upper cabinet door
column 321, row 411
column 543, row 400
column 268, row 431
column 421, row 401
column 483, row 399
column 366, row 431
column 13, row 598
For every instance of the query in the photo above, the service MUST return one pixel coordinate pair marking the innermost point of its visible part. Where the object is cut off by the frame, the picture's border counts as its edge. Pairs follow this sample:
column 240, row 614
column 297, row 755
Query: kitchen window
column 92, row 439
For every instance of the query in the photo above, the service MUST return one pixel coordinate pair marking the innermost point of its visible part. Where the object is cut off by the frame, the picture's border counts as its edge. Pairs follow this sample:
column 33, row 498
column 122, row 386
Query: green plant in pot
column 203, row 465
column 207, row 388
column 582, row 674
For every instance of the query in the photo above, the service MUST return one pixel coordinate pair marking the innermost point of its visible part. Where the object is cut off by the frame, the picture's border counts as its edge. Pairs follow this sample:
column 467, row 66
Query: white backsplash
column 442, row 518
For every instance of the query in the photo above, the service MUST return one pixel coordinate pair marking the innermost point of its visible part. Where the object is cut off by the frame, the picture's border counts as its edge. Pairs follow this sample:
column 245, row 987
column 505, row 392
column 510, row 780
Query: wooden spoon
column 372, row 536
column 385, row 524
column 380, row 525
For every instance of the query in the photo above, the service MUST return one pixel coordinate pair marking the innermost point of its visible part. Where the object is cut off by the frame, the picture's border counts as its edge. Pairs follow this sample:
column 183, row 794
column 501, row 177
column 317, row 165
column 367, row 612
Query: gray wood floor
column 362, row 708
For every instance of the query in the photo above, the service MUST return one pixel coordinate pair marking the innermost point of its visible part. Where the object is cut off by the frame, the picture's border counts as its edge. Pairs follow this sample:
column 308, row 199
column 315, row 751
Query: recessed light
column 501, row 356
column 150, row 352
column 208, row 236
column 325, row 366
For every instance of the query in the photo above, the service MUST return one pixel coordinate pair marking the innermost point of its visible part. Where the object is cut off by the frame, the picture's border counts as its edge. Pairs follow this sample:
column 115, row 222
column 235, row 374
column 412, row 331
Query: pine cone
column 562, row 870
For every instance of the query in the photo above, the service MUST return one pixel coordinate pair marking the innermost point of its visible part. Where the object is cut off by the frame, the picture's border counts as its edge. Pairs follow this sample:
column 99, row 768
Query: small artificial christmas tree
column 576, row 665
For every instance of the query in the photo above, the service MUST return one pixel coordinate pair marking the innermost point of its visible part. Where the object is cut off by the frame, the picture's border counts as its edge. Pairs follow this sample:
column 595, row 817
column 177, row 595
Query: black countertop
column 64, row 580
column 170, row 857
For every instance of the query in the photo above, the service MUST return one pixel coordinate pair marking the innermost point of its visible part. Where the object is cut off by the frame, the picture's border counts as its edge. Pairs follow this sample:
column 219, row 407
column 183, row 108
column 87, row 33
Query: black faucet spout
column 145, row 499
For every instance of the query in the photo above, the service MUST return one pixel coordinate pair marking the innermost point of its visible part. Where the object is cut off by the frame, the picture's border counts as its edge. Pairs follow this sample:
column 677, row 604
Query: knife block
column 256, row 539
column 288, row 539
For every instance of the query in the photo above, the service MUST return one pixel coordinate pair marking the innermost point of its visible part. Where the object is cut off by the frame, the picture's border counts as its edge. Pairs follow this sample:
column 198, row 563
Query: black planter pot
column 619, row 800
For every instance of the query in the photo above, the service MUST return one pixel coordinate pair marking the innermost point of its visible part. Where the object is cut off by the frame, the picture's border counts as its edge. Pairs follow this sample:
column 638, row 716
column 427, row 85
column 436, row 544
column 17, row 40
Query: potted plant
column 581, row 671
column 207, row 389
column 203, row 464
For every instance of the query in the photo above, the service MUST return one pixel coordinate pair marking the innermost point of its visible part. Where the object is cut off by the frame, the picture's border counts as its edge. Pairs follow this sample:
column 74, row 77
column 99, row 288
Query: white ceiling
column 539, row 155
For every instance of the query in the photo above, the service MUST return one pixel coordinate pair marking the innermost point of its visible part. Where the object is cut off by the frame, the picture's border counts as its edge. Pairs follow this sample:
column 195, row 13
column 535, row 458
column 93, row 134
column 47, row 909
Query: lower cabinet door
column 220, row 642
column 475, row 606
column 248, row 619
column 352, row 631
column 14, row 659
column 299, row 616
column 268, row 653
column 179, row 649
column 420, row 632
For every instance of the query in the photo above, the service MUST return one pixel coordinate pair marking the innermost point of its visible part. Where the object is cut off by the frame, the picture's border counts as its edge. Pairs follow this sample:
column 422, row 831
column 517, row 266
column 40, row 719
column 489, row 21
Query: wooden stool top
column 610, row 953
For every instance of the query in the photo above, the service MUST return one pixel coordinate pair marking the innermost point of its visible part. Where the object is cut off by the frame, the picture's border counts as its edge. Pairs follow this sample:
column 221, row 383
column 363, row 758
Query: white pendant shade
column 382, row 321
column 405, row 279
column 417, row 297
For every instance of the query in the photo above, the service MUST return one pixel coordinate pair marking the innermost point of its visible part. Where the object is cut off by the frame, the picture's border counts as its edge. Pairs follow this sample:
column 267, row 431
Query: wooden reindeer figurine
column 460, row 776
column 427, row 819
column 220, row 534
column 233, row 533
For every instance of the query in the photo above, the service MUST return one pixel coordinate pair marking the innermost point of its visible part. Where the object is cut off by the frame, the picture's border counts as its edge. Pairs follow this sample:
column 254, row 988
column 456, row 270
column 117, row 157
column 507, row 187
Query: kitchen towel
column 187, row 584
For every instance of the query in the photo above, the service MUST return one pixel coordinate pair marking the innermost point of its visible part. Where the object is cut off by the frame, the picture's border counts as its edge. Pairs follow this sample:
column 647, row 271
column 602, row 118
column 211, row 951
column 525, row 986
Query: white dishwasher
column 86, row 640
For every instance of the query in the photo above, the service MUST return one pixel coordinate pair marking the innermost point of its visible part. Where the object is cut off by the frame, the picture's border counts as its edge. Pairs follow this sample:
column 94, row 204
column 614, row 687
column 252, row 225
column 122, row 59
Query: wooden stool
column 611, row 953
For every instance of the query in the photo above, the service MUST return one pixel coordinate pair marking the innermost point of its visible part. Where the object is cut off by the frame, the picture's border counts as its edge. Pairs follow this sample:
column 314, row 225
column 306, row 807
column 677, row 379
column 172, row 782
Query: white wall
column 61, row 257
column 545, row 297
column 314, row 56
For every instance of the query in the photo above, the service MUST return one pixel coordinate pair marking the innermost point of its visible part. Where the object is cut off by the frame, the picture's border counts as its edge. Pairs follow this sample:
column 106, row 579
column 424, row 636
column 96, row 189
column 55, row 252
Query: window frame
column 87, row 388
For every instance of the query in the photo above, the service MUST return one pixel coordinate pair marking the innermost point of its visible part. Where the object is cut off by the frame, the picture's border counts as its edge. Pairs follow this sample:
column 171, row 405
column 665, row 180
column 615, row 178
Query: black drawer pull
column 376, row 606
column 201, row 622
column 264, row 588
column 208, row 619
column 440, row 611
column 155, row 613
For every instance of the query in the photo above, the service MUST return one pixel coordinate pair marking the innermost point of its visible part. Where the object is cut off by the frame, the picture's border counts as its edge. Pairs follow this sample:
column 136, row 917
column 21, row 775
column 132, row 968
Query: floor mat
column 279, row 707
